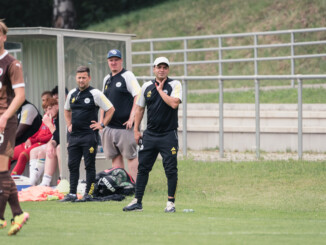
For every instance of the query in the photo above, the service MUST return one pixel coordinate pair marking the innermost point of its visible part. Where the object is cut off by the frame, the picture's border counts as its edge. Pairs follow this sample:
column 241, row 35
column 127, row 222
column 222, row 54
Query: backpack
column 113, row 181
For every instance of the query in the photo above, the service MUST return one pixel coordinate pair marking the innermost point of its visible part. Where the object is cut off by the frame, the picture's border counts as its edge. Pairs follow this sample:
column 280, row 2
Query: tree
column 64, row 14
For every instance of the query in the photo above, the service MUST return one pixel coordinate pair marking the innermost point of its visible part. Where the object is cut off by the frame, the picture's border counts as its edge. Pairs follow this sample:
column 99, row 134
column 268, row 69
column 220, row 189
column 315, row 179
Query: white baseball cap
column 161, row 60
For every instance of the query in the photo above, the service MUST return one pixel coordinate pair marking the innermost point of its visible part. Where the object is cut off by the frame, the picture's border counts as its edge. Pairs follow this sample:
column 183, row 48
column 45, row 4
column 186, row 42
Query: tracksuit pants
column 82, row 146
column 154, row 143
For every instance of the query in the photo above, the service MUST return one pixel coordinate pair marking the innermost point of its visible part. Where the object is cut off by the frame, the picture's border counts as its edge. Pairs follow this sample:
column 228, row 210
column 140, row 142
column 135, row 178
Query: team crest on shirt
column 73, row 100
column 106, row 87
column 87, row 100
column 91, row 150
column 118, row 84
column 149, row 94
column 165, row 91
column 173, row 151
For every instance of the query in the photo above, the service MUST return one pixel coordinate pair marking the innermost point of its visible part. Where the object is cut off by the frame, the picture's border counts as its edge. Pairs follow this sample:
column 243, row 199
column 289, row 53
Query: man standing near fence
column 121, row 88
column 12, row 96
column 162, row 97
column 81, row 114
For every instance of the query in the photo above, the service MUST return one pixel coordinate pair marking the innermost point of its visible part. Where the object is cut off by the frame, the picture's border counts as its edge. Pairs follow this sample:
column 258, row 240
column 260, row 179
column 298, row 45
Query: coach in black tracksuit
column 81, row 114
column 162, row 97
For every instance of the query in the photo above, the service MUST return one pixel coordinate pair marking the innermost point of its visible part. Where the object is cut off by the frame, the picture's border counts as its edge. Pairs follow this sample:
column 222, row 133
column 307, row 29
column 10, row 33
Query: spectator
column 45, row 96
column 22, row 151
column 52, row 159
column 121, row 88
column 55, row 92
column 81, row 114
column 29, row 121
column 51, row 119
column 162, row 97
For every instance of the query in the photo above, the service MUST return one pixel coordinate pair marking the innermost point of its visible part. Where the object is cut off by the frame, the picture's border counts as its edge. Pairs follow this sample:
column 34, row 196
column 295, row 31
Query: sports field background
column 265, row 202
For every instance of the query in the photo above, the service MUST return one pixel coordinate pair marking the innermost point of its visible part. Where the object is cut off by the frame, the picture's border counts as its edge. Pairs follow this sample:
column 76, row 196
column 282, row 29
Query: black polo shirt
column 121, row 89
column 84, row 107
column 160, row 116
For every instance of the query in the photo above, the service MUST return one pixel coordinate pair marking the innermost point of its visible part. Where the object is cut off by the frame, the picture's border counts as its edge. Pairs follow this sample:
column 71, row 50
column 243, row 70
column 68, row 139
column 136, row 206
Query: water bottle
column 188, row 211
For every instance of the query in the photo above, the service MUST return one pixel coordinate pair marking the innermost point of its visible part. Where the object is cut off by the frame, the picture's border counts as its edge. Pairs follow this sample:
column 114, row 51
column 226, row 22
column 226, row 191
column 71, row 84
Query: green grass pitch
column 234, row 203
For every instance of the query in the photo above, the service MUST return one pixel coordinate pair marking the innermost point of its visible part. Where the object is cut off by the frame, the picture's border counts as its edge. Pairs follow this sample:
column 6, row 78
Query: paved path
column 210, row 91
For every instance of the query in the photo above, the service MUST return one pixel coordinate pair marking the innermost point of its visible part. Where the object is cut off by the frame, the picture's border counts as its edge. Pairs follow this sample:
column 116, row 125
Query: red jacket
column 43, row 135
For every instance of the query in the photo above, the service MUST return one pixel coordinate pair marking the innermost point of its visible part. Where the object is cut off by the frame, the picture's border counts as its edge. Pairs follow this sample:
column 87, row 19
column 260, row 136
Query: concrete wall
column 278, row 127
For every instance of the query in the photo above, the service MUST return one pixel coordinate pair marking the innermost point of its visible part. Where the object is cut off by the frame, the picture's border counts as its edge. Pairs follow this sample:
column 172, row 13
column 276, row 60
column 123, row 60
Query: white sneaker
column 170, row 207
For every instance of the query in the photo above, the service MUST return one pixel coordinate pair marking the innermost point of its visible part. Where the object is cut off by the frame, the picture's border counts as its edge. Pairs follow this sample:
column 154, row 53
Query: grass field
column 209, row 17
column 287, row 96
column 235, row 203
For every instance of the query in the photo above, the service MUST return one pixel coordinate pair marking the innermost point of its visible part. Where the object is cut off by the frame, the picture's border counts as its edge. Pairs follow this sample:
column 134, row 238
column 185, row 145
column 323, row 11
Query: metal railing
column 257, row 79
column 220, row 48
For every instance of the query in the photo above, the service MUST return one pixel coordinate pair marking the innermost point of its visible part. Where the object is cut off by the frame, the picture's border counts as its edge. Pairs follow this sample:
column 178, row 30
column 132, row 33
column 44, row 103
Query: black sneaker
column 133, row 206
column 85, row 198
column 69, row 198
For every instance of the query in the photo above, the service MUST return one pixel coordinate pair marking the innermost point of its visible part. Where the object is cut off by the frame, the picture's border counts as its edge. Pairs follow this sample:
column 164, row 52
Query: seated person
column 45, row 96
column 55, row 92
column 29, row 121
column 53, row 146
column 22, row 151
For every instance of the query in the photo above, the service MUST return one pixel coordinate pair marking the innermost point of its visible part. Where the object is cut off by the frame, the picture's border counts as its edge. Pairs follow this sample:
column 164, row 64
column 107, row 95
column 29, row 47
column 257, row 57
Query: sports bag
column 113, row 181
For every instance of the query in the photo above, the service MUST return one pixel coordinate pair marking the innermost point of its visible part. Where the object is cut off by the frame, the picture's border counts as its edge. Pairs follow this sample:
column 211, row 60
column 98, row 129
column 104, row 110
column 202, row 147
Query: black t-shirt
column 29, row 115
column 120, row 89
column 84, row 106
column 160, row 116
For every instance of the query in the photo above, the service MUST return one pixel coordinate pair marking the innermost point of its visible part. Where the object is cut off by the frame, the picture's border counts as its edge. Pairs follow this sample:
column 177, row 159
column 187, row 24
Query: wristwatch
column 102, row 125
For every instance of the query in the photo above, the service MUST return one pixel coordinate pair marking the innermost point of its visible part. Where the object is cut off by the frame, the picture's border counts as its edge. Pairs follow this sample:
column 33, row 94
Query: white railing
column 220, row 48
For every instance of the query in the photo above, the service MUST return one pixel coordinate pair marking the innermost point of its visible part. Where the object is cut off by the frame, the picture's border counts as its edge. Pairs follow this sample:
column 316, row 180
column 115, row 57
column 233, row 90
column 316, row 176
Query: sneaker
column 3, row 223
column 17, row 223
column 69, row 198
column 85, row 198
column 133, row 206
column 170, row 207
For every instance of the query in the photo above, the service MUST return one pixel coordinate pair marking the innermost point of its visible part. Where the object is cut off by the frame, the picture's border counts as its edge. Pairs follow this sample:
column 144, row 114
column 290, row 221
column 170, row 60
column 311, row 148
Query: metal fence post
column 221, row 116
column 292, row 58
column 257, row 107
column 184, row 117
column 151, row 58
column 300, row 118
column 62, row 123
column 221, row 126
column 255, row 54
column 185, row 57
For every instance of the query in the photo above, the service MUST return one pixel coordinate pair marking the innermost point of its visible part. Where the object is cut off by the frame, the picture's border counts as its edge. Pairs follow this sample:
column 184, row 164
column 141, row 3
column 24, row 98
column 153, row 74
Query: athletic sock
column 171, row 200
column 36, row 170
column 46, row 180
